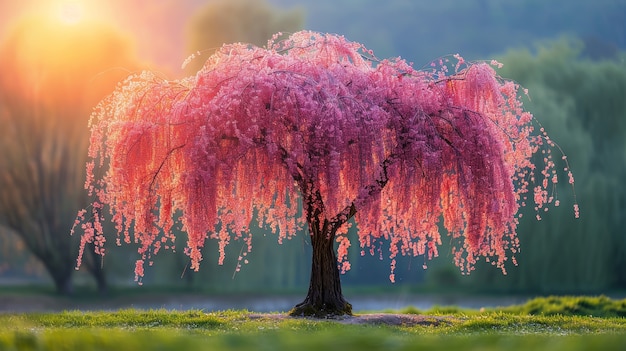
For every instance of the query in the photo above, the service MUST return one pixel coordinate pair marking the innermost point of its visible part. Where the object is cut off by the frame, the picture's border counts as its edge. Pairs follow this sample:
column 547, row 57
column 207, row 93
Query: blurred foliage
column 272, row 266
column 51, row 76
column 581, row 105
column 357, row 338
column 228, row 21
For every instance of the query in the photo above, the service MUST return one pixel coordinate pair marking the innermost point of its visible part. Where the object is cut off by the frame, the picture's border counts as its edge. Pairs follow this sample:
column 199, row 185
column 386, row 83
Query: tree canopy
column 314, row 129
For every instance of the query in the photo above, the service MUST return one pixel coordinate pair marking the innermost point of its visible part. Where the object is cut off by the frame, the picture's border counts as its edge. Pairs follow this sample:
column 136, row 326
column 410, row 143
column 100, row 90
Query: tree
column 16, row 261
column 315, row 132
column 51, row 76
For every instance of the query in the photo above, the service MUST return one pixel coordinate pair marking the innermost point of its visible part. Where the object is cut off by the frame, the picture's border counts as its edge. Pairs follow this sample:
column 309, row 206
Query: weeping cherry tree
column 314, row 133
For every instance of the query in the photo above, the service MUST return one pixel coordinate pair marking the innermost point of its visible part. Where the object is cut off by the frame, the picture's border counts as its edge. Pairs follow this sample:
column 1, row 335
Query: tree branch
column 163, row 163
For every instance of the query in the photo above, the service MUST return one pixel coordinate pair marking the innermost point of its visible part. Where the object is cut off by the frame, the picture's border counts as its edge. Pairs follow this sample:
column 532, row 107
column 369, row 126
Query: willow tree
column 313, row 132
column 51, row 76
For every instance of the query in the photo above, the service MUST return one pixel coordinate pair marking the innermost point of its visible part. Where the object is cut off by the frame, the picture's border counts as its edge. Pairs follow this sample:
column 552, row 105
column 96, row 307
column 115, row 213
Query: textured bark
column 324, row 298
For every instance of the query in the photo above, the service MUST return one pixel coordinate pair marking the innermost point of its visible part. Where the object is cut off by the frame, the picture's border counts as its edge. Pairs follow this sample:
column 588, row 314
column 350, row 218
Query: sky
column 156, row 26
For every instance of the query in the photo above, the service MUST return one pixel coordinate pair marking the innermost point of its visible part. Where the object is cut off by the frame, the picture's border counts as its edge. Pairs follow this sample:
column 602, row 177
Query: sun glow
column 62, row 49
column 70, row 12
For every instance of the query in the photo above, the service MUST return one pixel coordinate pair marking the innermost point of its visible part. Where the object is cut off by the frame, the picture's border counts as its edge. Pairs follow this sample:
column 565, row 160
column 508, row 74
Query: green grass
column 554, row 323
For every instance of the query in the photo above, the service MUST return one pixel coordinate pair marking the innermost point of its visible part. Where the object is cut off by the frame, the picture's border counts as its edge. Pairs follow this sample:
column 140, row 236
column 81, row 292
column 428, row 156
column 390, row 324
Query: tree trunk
column 97, row 272
column 58, row 264
column 62, row 280
column 324, row 298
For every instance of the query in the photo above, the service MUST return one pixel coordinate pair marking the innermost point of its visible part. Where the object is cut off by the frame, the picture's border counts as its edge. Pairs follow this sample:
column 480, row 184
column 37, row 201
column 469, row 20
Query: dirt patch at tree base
column 392, row 319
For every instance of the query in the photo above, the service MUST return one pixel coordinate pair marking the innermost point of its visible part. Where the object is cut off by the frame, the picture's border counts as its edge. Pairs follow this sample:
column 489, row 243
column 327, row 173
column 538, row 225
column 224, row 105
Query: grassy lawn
column 564, row 323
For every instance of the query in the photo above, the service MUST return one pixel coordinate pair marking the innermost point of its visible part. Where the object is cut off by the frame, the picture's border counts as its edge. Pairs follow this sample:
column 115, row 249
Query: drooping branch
column 165, row 159
column 367, row 192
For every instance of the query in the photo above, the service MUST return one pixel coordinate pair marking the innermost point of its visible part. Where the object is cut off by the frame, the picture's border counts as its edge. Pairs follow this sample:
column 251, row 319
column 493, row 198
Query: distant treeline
column 421, row 31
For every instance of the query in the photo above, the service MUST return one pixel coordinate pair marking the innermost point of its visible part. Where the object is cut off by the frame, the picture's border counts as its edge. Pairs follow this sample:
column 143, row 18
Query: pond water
column 359, row 303
column 261, row 304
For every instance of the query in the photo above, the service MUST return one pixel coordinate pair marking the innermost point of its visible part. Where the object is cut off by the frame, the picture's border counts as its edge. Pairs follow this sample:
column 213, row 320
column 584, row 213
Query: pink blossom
column 139, row 270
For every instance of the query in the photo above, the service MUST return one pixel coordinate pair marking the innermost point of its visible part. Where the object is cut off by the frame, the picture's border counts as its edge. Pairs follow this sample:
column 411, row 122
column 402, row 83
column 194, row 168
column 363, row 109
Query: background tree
column 230, row 21
column 51, row 76
column 315, row 132
column 16, row 259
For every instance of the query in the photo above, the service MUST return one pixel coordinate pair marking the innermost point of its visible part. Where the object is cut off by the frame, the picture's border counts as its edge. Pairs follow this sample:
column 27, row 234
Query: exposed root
column 326, row 311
